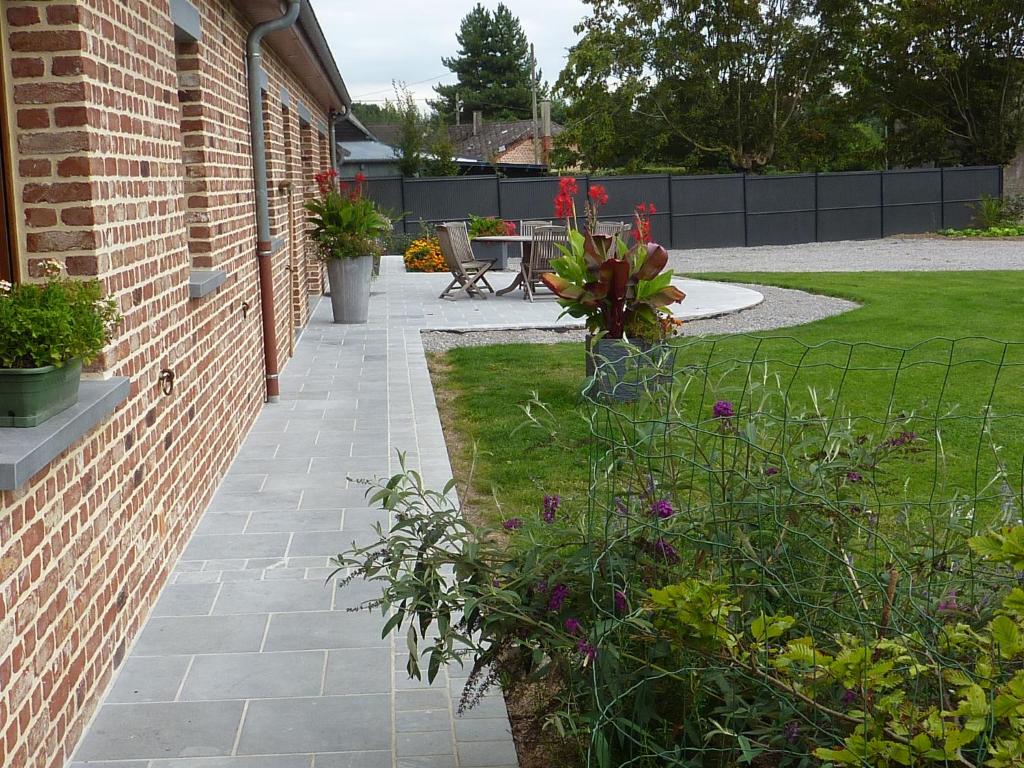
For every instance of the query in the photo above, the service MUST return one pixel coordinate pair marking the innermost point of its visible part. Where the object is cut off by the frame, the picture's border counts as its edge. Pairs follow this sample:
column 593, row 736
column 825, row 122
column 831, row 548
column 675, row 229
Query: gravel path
column 893, row 255
column 782, row 308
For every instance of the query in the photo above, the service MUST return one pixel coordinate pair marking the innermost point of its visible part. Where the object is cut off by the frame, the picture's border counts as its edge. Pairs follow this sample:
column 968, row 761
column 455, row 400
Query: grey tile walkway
column 251, row 660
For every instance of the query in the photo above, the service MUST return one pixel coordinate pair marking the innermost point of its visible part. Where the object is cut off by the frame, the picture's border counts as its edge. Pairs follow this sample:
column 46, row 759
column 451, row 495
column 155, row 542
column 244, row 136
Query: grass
column 486, row 388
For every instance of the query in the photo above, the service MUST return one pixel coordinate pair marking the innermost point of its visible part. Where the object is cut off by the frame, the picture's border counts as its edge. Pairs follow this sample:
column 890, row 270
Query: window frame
column 8, row 250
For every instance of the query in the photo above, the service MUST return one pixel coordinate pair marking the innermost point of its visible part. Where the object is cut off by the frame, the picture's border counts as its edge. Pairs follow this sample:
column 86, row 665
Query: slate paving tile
column 271, row 597
column 254, row 676
column 185, row 729
column 326, row 629
column 251, row 502
column 378, row 759
column 424, row 744
column 241, row 545
column 487, row 754
column 285, row 521
column 422, row 720
column 358, row 670
column 322, row 724
column 186, row 600
column 146, row 679
column 274, row 761
column 222, row 522
column 201, row 634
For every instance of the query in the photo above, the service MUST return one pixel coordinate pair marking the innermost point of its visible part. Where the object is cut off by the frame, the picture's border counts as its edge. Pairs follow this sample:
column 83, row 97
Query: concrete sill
column 203, row 282
column 23, row 452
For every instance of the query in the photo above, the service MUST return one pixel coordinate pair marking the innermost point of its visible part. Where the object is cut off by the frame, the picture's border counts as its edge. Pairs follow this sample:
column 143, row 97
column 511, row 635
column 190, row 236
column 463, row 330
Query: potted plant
column 47, row 330
column 624, row 294
column 347, row 228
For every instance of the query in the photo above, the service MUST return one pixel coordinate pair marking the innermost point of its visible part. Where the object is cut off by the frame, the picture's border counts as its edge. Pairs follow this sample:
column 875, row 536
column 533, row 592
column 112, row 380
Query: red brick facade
column 131, row 162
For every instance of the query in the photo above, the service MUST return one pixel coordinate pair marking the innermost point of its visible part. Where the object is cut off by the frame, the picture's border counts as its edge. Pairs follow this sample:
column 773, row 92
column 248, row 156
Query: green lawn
column 938, row 382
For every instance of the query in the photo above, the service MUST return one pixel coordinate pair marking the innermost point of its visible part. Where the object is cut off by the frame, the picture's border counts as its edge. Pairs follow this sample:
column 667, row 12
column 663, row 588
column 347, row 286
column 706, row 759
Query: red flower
column 360, row 177
column 598, row 194
column 563, row 206
column 567, row 186
column 510, row 227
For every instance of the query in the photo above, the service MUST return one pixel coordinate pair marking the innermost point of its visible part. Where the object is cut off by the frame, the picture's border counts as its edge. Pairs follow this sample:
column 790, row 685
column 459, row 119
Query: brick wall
column 118, row 179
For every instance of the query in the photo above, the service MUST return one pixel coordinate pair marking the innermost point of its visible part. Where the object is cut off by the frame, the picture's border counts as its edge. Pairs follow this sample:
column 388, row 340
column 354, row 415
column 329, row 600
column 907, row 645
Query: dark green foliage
column 379, row 114
column 492, row 66
column 732, row 85
column 51, row 323
column 440, row 160
column 947, row 77
column 412, row 132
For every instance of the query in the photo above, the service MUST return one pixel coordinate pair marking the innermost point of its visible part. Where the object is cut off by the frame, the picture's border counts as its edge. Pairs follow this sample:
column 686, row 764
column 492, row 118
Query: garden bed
column 517, row 466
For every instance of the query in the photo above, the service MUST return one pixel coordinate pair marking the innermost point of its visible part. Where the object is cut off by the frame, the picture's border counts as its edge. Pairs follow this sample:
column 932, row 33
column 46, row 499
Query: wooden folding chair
column 543, row 248
column 466, row 271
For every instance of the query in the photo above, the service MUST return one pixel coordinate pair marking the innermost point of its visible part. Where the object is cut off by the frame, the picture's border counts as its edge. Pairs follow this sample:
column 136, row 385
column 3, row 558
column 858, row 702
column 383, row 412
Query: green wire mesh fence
column 790, row 560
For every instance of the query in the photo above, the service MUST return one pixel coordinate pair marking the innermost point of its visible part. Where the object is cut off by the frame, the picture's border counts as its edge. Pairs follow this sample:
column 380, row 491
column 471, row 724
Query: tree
column 947, row 78
column 493, row 68
column 411, row 132
column 378, row 114
column 441, row 160
column 716, row 84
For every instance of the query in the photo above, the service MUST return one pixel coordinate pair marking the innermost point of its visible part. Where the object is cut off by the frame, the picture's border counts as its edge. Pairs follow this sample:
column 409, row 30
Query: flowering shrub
column 54, row 322
column 484, row 226
column 749, row 585
column 424, row 255
column 343, row 222
column 565, row 205
column 642, row 222
column 621, row 292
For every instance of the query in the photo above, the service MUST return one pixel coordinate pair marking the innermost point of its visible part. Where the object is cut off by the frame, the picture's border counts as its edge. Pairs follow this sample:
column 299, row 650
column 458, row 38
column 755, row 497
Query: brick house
column 128, row 156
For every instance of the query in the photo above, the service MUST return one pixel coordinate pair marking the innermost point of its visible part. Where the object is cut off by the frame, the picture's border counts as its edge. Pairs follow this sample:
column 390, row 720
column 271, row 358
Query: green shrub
column 753, row 582
column 54, row 322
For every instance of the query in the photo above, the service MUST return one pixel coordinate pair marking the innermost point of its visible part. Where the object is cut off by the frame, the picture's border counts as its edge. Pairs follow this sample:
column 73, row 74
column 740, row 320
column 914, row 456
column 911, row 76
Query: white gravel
column 918, row 254
column 783, row 308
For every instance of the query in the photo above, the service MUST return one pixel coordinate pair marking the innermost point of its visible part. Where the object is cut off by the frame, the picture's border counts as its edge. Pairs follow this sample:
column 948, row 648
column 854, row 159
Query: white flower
column 5, row 287
column 52, row 268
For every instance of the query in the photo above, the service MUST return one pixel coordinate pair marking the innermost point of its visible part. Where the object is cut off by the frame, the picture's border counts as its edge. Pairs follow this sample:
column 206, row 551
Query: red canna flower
column 567, row 186
column 598, row 195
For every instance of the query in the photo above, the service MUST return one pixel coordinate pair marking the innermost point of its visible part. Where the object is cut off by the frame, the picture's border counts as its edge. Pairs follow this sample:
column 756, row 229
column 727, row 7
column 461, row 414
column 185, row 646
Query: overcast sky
column 377, row 41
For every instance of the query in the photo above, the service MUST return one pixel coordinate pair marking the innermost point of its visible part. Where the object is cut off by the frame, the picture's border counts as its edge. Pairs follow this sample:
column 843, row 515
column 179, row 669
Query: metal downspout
column 264, row 248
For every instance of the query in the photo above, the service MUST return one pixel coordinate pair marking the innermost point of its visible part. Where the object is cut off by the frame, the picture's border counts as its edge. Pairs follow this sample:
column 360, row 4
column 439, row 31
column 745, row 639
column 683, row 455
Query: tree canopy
column 795, row 84
column 493, row 67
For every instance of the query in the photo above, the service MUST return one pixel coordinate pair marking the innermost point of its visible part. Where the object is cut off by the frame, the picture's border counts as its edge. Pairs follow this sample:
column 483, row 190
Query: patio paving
column 249, row 660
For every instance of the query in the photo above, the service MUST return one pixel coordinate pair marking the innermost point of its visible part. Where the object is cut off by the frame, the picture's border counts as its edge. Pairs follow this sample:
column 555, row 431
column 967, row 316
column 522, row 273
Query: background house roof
column 491, row 141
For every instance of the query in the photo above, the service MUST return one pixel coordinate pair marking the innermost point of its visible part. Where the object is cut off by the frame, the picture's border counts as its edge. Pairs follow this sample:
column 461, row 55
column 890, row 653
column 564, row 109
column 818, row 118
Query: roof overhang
column 304, row 50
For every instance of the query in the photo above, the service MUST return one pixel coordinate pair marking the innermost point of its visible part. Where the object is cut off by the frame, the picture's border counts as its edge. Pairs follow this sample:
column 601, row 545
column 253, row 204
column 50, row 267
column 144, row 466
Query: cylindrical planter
column 30, row 396
column 350, row 288
column 623, row 370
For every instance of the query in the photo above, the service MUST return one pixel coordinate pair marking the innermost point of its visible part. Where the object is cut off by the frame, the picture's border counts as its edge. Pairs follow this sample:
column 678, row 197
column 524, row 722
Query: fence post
column 746, row 224
column 942, row 198
column 401, row 194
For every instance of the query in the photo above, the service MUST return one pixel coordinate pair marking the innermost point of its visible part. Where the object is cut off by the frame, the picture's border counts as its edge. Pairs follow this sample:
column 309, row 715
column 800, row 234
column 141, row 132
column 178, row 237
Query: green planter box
column 30, row 396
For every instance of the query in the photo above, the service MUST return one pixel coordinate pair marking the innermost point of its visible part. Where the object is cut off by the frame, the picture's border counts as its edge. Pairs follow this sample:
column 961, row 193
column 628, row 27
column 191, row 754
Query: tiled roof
column 492, row 140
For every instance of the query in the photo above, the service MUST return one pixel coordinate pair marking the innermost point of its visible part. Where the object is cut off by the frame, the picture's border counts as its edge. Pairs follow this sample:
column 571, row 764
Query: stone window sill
column 203, row 282
column 23, row 452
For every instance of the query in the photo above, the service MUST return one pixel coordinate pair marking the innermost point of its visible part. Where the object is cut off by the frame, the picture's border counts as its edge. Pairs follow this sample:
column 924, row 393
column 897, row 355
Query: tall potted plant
column 47, row 330
column 347, row 227
column 624, row 294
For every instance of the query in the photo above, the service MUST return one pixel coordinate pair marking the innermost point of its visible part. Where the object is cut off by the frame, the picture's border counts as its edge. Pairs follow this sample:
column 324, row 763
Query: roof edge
column 311, row 26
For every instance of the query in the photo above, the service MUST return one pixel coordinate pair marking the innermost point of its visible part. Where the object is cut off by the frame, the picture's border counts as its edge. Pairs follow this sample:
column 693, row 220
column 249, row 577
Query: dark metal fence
column 722, row 210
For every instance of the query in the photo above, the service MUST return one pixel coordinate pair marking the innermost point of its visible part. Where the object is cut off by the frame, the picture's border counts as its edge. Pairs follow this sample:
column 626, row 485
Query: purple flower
column 662, row 508
column 620, row 506
column 849, row 697
column 723, row 410
column 558, row 595
column 551, row 504
column 573, row 626
column 854, row 477
column 901, row 439
column 621, row 606
column 791, row 731
column 948, row 604
column 769, row 471
column 585, row 648
column 665, row 551
column 512, row 524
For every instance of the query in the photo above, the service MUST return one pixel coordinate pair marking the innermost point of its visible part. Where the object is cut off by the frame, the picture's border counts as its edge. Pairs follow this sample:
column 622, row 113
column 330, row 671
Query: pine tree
column 493, row 68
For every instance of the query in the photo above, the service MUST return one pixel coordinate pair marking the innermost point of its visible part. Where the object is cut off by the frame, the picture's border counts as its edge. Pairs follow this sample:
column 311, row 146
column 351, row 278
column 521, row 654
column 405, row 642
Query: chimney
column 546, row 141
column 478, row 121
